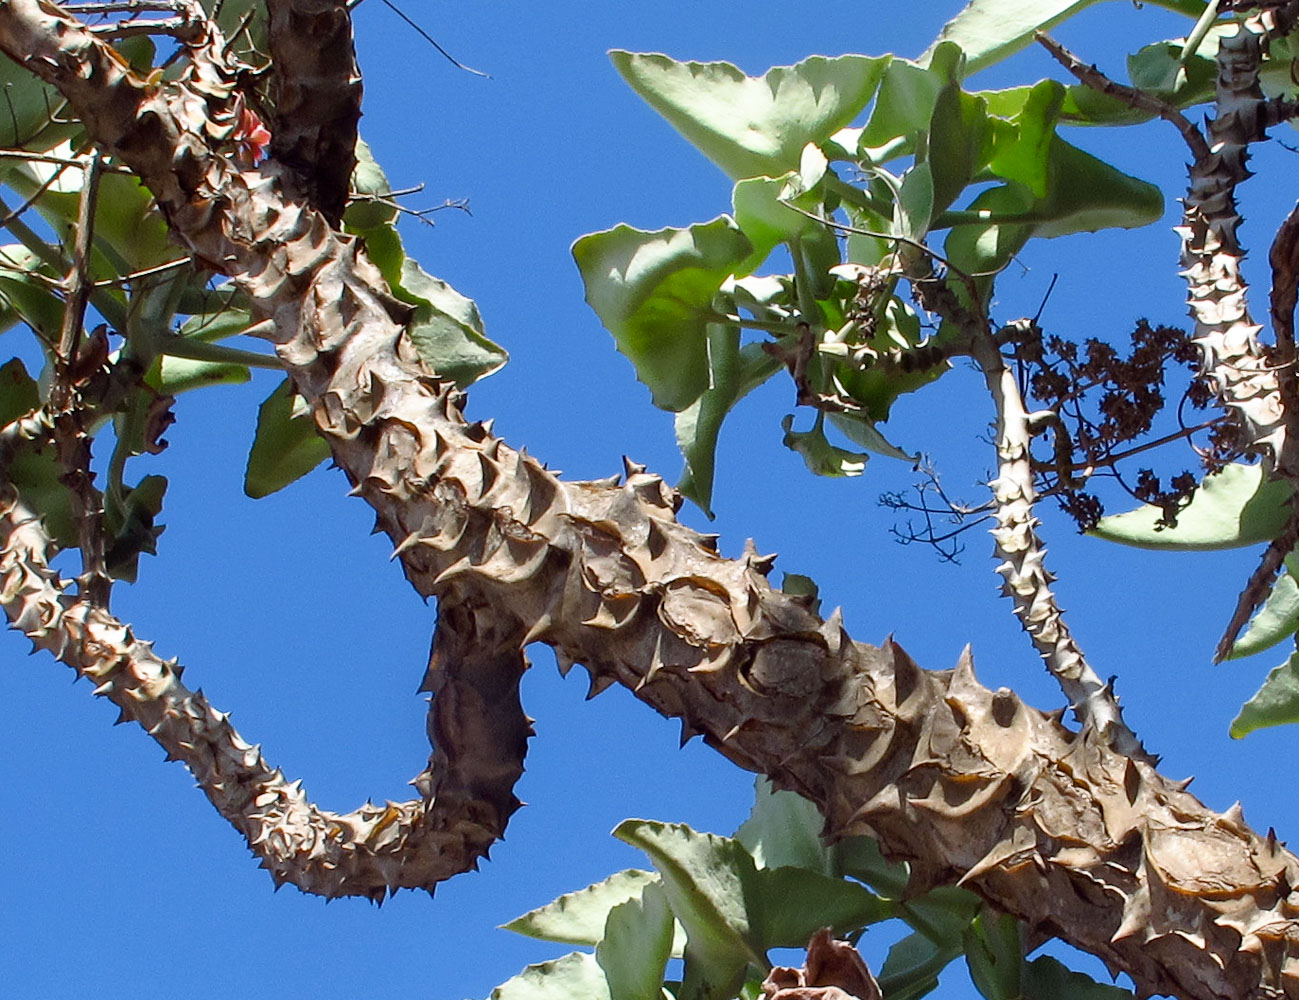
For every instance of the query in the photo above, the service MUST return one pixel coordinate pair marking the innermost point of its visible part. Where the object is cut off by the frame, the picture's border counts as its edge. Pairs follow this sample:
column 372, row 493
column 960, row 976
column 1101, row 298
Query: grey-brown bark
column 967, row 784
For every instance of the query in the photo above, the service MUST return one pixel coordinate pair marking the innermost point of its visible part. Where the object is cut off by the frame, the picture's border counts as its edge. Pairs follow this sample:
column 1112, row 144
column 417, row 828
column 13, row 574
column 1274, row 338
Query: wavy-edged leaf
column 1046, row 978
column 24, row 297
column 711, row 884
column 654, row 292
column 821, row 457
column 991, row 30
column 784, row 829
column 636, row 945
column 754, row 126
column 286, row 446
column 579, row 917
column 576, row 976
column 1276, row 703
column 1277, row 619
column 1236, row 507
column 446, row 329
column 735, row 371
column 860, row 858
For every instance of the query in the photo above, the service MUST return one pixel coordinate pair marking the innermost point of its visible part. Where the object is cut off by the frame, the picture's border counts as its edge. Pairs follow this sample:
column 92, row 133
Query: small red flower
column 250, row 134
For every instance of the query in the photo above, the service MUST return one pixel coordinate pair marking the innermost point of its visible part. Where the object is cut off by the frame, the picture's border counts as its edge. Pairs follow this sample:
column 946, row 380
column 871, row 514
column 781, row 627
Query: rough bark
column 967, row 784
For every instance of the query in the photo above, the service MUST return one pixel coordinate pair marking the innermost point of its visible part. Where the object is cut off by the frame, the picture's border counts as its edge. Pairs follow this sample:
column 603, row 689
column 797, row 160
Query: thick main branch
column 967, row 784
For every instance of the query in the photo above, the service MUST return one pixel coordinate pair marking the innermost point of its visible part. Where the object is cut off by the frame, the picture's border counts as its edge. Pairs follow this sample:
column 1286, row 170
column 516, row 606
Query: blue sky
column 120, row 880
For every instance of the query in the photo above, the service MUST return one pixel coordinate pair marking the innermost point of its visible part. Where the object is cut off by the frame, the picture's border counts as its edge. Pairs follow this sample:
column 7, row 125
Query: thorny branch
column 966, row 784
column 1244, row 372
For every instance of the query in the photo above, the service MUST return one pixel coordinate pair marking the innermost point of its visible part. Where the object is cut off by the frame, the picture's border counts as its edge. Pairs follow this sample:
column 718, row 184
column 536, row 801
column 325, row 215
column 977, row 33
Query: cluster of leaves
column 165, row 322
column 703, row 328
column 1105, row 405
column 720, row 904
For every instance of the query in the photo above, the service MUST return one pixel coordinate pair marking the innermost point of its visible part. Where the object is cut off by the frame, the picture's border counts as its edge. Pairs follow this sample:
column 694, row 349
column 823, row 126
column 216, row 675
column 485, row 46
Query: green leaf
column 734, row 372
column 763, row 213
column 1276, row 703
column 580, row 917
column 991, row 30
column 286, row 446
column 636, row 945
column 863, row 432
column 25, row 298
column 177, row 375
column 1022, row 151
column 994, row 952
column 860, row 858
column 35, row 472
column 132, row 526
column 654, row 292
column 911, row 969
column 445, row 329
column 784, row 829
column 576, row 976
column 1083, row 194
column 711, row 883
column 902, row 111
column 1236, row 507
column 914, row 210
column 754, row 126
column 1046, row 978
column 960, row 143
column 797, row 902
column 820, row 456
column 1278, row 618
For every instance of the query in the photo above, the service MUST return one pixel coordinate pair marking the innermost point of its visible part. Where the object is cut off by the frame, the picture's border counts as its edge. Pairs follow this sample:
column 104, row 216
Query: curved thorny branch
column 966, row 784
column 1254, row 383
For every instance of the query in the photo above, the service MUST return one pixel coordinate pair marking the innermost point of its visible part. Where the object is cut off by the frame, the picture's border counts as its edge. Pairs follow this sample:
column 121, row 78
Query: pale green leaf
column 1235, row 507
column 784, row 829
column 654, row 292
column 865, row 434
column 735, row 371
column 821, row 457
column 754, row 126
column 1277, row 619
column 579, row 917
column 576, row 976
column 636, row 945
column 1276, row 703
column 286, row 446
column 711, row 884
column 915, row 206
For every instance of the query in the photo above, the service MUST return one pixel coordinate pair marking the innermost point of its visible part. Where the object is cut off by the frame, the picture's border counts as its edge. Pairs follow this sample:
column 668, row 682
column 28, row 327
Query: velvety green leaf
column 579, row 917
column 822, row 458
column 1045, row 978
column 784, row 829
column 754, row 126
column 943, row 913
column 763, row 213
column 914, row 210
column 654, row 291
column 902, row 110
column 132, row 526
column 797, row 902
column 960, row 143
column 576, row 976
column 711, row 884
column 1277, row 619
column 1276, row 703
column 991, row 30
column 1083, row 194
column 864, row 433
column 637, row 944
column 286, row 446
column 1022, row 152
column 446, row 329
column 735, row 372
column 1236, row 507
column 994, row 952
